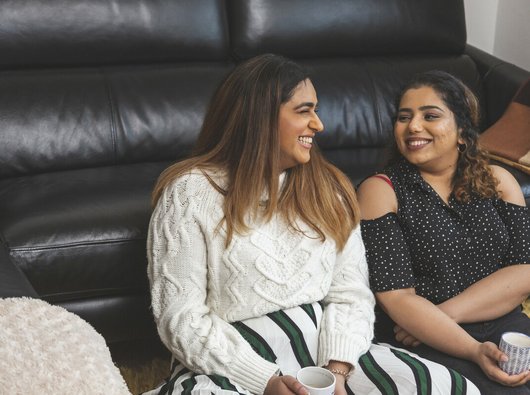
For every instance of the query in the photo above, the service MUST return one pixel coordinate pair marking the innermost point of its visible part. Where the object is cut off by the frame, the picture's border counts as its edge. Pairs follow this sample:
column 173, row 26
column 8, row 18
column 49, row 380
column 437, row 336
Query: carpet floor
column 143, row 365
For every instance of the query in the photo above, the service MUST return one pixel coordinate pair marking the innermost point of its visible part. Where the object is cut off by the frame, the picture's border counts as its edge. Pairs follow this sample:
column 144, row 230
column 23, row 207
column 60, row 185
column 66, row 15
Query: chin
column 416, row 159
column 297, row 161
column 303, row 162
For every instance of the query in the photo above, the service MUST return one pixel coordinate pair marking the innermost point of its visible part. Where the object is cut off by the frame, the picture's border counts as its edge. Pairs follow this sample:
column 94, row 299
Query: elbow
column 384, row 306
column 395, row 300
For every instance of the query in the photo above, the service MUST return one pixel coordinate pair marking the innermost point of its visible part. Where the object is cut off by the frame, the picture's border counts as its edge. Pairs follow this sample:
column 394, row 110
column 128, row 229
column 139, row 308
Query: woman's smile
column 425, row 130
column 415, row 143
column 298, row 123
column 306, row 141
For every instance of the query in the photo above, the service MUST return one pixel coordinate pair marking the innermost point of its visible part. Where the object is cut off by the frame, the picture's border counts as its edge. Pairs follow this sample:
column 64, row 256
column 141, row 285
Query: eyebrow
column 306, row 104
column 422, row 108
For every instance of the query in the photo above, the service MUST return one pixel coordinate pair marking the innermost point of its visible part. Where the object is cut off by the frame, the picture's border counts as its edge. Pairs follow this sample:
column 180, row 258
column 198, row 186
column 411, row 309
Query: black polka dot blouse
column 441, row 249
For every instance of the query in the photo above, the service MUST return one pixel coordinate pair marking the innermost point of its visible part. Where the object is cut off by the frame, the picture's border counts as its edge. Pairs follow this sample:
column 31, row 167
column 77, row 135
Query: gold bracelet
column 341, row 372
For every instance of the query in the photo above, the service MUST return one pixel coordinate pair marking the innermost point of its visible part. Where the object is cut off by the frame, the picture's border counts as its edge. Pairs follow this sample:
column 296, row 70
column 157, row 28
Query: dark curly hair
column 473, row 176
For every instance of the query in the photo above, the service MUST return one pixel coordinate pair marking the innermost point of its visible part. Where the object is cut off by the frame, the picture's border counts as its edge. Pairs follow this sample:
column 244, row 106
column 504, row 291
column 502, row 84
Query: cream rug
column 44, row 349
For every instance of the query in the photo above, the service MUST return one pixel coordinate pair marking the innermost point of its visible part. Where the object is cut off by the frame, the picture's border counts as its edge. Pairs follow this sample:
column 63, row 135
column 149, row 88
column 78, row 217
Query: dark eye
column 431, row 117
column 403, row 118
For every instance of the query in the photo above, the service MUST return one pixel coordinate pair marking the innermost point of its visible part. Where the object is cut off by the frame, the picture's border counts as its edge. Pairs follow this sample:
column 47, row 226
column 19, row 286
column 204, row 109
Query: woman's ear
column 460, row 138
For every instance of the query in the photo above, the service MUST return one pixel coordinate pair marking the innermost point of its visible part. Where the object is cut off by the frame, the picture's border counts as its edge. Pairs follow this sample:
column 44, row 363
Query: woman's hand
column 340, row 384
column 487, row 356
column 404, row 337
column 340, row 380
column 284, row 385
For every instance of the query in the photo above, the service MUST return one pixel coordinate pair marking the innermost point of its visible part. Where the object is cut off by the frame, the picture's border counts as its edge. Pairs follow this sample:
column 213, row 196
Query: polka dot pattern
column 438, row 248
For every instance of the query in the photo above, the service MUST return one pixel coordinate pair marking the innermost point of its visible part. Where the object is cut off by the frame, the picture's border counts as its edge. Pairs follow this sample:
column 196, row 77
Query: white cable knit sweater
column 198, row 286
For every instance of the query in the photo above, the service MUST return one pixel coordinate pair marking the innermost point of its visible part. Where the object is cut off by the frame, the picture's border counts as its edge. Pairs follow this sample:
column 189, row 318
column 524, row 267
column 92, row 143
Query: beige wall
column 500, row 27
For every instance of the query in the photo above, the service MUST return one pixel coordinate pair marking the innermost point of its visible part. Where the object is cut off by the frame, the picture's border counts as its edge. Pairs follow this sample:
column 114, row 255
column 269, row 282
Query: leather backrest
column 357, row 97
column 316, row 28
column 68, row 119
column 94, row 32
column 87, row 83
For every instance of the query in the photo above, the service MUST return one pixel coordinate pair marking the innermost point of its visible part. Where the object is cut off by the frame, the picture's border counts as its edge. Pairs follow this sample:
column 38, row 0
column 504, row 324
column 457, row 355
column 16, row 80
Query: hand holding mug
column 284, row 385
column 516, row 346
column 318, row 381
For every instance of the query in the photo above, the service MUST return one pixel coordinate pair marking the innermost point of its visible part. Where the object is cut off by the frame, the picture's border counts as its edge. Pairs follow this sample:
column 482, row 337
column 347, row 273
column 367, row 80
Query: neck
column 441, row 170
column 439, row 176
column 440, row 179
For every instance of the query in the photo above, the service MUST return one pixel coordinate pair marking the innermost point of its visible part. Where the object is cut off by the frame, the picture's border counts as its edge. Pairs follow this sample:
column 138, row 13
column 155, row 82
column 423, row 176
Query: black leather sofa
column 98, row 96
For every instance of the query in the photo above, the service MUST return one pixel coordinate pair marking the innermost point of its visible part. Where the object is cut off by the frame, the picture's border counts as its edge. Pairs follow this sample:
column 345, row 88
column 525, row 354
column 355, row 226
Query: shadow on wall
column 512, row 32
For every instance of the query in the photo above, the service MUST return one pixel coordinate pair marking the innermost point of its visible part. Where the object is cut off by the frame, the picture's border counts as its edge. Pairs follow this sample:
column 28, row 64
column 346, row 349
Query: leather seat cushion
column 80, row 233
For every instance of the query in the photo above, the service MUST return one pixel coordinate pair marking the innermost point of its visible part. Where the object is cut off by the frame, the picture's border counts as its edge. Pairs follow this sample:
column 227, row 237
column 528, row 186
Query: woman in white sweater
column 256, row 262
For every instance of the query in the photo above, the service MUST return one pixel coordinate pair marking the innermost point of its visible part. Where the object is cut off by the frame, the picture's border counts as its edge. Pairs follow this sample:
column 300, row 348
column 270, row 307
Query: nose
column 415, row 124
column 316, row 124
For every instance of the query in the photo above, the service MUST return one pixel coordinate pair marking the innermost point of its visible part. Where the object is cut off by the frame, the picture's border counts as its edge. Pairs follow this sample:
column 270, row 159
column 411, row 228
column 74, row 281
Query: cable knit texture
column 198, row 286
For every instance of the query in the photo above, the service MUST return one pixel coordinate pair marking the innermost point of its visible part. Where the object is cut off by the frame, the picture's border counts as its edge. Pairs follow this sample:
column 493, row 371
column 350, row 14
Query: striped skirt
column 289, row 338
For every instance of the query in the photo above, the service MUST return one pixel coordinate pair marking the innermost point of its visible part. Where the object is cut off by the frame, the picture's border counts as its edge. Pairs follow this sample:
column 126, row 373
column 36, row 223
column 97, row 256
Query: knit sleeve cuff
column 341, row 348
column 252, row 372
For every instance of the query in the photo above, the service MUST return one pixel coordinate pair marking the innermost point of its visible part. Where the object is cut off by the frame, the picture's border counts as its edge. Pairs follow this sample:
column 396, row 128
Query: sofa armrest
column 500, row 82
column 13, row 283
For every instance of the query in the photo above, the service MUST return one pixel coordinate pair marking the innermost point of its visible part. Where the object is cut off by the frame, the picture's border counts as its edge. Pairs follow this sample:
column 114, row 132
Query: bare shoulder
column 508, row 187
column 376, row 198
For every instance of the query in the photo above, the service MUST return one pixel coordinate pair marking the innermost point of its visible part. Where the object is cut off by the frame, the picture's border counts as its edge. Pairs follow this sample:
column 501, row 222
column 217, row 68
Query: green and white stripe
column 289, row 338
column 420, row 371
column 377, row 374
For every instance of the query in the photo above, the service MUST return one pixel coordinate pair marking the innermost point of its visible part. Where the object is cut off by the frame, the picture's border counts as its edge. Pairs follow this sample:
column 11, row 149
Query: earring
column 462, row 148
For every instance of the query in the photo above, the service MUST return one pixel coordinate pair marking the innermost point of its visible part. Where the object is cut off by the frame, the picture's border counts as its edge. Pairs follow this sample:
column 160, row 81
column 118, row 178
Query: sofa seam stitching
column 73, row 245
column 113, row 133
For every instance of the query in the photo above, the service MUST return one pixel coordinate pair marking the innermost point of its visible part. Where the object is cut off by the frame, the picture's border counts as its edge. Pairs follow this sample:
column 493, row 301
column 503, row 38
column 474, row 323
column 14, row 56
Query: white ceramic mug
column 517, row 347
column 318, row 381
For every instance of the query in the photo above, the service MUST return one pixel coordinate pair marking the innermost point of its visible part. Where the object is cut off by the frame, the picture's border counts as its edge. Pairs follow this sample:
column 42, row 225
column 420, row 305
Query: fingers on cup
column 517, row 379
column 516, row 346
column 318, row 381
column 294, row 385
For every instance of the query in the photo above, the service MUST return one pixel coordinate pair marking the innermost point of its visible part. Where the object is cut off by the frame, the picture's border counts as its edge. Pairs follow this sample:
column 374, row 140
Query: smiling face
column 425, row 130
column 297, row 125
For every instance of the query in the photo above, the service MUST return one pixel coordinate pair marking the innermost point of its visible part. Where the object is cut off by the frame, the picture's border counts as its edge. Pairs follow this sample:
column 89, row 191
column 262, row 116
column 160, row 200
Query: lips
column 417, row 143
column 306, row 141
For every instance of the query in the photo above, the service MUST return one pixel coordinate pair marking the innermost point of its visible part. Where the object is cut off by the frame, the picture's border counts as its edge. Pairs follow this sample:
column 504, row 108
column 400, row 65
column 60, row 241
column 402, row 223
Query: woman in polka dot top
column 447, row 238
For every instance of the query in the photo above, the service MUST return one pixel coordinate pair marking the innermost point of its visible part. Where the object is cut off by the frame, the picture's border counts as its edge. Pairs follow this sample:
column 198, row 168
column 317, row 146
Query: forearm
column 346, row 329
column 341, row 371
column 428, row 324
column 207, row 344
column 340, row 367
column 348, row 320
column 198, row 337
column 491, row 297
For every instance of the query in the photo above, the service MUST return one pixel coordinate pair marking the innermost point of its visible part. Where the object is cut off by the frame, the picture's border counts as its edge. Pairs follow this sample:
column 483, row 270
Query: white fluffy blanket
column 46, row 350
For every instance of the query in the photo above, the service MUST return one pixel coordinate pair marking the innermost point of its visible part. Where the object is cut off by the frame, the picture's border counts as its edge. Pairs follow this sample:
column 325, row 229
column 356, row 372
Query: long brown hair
column 240, row 136
column 473, row 176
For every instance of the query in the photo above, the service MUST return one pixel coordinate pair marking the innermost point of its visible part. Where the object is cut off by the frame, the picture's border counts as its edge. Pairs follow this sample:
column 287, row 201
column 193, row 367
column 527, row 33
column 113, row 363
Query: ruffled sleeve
column 387, row 253
column 517, row 221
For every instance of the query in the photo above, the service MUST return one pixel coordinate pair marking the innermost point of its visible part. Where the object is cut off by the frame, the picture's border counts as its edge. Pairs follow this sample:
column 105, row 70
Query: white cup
column 517, row 347
column 318, row 381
